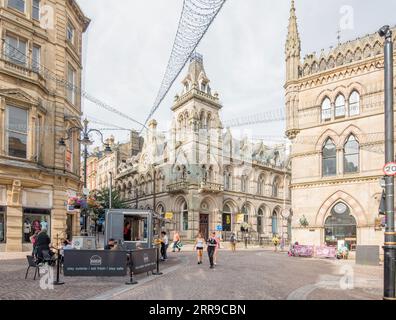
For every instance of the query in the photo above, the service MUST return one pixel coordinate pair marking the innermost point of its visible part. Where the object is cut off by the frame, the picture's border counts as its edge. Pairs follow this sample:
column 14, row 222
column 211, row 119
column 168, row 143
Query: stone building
column 99, row 164
column 41, row 48
column 335, row 120
column 202, row 176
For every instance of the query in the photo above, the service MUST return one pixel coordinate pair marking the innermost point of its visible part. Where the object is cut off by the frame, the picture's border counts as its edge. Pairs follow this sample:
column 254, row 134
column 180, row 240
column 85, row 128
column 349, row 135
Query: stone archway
column 356, row 209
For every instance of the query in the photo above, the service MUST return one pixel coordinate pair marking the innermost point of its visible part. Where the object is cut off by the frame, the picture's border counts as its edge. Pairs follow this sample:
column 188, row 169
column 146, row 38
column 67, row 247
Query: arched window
column 260, row 221
column 260, row 185
column 326, row 109
column 340, row 106
column 245, row 212
column 227, row 180
column 185, row 216
column 227, row 218
column 340, row 225
column 244, row 183
column 351, row 155
column 329, row 159
column 274, row 222
column 354, row 104
column 275, row 188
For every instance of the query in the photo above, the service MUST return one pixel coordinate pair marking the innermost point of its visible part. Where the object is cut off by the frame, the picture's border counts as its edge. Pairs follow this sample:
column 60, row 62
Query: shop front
column 34, row 221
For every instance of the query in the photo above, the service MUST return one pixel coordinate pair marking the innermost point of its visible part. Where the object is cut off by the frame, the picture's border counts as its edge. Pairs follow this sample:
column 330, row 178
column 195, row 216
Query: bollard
column 157, row 273
column 131, row 281
column 57, row 282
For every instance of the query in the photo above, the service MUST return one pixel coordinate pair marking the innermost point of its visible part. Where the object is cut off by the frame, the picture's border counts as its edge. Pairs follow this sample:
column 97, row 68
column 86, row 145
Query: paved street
column 243, row 275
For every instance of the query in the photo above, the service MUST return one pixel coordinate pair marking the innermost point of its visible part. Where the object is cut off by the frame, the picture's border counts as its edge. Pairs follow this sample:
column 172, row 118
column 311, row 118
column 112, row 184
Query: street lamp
column 85, row 141
column 390, row 234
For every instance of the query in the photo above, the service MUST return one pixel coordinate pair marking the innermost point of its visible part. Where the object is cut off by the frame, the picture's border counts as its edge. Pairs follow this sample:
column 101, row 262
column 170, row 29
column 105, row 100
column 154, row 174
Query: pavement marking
column 127, row 288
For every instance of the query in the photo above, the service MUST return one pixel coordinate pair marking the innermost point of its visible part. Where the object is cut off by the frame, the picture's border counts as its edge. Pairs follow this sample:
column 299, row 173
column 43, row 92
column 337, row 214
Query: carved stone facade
column 203, row 175
column 335, row 122
column 35, row 111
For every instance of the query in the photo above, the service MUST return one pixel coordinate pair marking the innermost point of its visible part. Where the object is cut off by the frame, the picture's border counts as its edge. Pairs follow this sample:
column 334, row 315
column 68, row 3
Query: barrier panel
column 144, row 260
column 325, row 252
column 303, row 251
column 95, row 263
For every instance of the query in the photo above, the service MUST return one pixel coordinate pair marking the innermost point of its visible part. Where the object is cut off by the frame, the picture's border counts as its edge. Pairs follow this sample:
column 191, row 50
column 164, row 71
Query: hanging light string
column 195, row 20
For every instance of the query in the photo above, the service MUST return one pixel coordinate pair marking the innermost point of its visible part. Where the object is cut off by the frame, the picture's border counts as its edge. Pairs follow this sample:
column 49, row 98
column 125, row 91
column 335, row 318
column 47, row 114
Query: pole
column 390, row 239
column 154, row 194
column 110, row 189
column 85, row 186
column 158, row 273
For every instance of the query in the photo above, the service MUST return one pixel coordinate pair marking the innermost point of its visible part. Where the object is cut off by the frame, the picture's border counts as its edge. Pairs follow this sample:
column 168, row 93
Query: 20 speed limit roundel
column 390, row 169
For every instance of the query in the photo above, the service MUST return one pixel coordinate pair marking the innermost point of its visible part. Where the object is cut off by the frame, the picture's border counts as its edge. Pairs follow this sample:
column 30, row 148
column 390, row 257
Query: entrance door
column 204, row 225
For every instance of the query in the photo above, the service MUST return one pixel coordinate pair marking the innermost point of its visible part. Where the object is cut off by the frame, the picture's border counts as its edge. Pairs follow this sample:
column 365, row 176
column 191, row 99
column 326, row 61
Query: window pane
column 16, row 50
column 70, row 33
column 17, row 145
column 329, row 167
column 17, row 4
column 36, row 59
column 36, row 10
column 340, row 106
column 326, row 109
column 329, row 150
column 351, row 163
column 185, row 220
column 17, row 119
column 354, row 104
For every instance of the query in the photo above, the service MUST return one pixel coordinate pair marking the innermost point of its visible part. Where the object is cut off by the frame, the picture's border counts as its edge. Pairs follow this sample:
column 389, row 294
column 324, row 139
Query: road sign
column 219, row 228
column 390, row 169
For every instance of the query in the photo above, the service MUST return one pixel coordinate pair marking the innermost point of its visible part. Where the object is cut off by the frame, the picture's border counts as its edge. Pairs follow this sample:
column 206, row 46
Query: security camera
column 383, row 31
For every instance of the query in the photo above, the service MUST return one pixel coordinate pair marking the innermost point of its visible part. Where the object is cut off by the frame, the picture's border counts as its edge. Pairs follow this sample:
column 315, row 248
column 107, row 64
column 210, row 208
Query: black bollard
column 158, row 273
column 131, row 281
column 57, row 282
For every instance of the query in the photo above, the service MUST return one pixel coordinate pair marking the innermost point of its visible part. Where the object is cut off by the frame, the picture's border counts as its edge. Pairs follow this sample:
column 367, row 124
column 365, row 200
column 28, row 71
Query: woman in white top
column 199, row 245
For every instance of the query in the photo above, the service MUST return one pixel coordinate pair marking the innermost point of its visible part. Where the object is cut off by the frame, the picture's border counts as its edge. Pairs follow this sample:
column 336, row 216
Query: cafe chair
column 32, row 264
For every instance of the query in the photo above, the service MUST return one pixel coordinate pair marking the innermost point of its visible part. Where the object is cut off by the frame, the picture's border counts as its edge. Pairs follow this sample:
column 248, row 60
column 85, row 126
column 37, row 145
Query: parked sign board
column 144, row 260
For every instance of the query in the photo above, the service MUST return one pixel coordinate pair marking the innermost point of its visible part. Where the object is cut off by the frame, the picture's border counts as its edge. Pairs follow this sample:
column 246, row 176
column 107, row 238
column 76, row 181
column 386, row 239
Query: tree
column 102, row 196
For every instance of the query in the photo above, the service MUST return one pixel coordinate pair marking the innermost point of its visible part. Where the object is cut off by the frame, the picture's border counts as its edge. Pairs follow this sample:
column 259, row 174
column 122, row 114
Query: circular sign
column 390, row 169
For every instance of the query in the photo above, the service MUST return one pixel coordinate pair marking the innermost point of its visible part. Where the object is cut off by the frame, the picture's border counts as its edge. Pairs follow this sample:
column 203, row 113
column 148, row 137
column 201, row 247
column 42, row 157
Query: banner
column 95, row 263
column 325, row 252
column 169, row 215
column 240, row 218
column 303, row 251
column 144, row 260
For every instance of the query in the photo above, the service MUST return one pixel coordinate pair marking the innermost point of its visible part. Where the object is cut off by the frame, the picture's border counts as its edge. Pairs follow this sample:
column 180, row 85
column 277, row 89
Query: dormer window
column 186, row 87
column 203, row 87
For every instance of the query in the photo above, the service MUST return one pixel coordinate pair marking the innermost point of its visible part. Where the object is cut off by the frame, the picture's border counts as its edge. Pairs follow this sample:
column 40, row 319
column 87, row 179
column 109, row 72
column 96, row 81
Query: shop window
column 35, row 220
column 227, row 218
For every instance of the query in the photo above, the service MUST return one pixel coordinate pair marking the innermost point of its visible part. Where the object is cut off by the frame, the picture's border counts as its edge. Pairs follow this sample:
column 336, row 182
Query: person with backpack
column 212, row 245
column 233, row 242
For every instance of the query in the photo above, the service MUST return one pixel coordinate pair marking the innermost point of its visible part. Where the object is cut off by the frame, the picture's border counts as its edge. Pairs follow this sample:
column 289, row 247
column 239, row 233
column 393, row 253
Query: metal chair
column 32, row 264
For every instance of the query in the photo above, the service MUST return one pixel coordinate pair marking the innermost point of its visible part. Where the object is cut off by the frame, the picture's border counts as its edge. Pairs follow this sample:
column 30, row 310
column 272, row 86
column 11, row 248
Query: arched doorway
column 227, row 213
column 340, row 226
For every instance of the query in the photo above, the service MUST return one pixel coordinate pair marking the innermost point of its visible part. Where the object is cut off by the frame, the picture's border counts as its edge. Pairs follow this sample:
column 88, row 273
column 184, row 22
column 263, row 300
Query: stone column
column 14, row 218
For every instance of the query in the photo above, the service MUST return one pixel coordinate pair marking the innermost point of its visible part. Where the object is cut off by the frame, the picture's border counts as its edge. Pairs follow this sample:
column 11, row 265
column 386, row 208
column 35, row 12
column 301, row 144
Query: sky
column 128, row 44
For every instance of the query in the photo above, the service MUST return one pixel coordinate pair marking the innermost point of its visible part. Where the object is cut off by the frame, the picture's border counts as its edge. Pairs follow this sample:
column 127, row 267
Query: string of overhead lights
column 20, row 58
column 195, row 20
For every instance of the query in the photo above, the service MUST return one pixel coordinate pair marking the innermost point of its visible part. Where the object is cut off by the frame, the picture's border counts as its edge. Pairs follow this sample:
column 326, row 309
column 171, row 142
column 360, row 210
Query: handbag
column 179, row 245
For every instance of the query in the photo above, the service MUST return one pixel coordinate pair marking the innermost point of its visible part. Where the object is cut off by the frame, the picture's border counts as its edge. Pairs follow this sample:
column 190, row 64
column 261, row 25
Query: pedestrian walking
column 212, row 244
column 164, row 246
column 199, row 246
column 233, row 242
column 176, row 241
column 218, row 239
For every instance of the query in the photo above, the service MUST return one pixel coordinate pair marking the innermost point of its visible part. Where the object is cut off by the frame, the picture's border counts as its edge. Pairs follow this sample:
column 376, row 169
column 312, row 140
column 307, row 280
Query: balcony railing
column 177, row 187
column 210, row 187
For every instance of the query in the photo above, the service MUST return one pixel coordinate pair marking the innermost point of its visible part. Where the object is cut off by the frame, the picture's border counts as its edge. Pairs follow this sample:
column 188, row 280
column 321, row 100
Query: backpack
column 212, row 242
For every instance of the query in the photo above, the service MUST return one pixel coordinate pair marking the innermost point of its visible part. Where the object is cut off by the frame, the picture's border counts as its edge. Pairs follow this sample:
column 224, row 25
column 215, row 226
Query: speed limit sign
column 390, row 169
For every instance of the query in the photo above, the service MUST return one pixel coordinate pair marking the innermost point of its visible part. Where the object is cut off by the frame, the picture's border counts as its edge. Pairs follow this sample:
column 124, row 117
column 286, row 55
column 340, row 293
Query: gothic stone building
column 41, row 43
column 204, row 176
column 335, row 120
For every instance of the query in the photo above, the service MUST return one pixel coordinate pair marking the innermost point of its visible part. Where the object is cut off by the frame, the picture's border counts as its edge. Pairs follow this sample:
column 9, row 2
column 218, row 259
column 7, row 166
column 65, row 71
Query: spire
column 293, row 43
column 293, row 46
column 196, row 72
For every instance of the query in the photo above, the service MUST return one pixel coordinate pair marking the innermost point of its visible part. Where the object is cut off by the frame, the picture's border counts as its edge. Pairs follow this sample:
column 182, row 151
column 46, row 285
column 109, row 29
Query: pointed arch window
column 275, row 188
column 354, row 103
column 351, row 155
column 326, row 109
column 185, row 216
column 340, row 106
column 329, row 159
column 244, row 183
